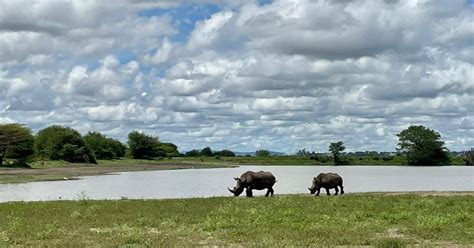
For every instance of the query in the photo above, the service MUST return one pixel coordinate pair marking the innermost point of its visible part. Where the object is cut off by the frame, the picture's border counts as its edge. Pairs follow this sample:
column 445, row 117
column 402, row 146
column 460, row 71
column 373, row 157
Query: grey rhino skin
column 254, row 180
column 327, row 181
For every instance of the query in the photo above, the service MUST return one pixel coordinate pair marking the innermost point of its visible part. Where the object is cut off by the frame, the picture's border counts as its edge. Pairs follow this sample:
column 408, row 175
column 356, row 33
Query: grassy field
column 358, row 219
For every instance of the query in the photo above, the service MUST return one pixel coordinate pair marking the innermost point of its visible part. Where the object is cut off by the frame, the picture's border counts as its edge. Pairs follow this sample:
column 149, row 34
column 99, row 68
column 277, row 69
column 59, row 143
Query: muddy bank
column 19, row 175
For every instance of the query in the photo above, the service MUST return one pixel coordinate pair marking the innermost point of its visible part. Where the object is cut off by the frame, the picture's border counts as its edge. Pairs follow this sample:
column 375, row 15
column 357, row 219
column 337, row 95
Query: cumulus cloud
column 283, row 76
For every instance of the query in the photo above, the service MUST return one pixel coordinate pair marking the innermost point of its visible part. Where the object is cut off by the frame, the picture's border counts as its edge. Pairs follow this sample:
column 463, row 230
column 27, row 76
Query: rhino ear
column 236, row 178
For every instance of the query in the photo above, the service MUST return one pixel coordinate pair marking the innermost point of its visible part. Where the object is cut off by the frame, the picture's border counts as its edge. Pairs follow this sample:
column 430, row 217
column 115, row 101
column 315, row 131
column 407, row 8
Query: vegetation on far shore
column 353, row 160
column 298, row 220
column 52, row 170
column 56, row 146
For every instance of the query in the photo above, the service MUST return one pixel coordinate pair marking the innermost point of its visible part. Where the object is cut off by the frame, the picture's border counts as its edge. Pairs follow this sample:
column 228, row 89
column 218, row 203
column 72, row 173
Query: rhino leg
column 317, row 193
column 249, row 192
column 269, row 191
column 337, row 190
column 342, row 189
column 327, row 191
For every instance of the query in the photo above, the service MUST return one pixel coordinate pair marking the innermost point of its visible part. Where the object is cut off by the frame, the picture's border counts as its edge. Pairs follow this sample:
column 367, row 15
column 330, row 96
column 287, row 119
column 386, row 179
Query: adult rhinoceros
column 327, row 181
column 254, row 180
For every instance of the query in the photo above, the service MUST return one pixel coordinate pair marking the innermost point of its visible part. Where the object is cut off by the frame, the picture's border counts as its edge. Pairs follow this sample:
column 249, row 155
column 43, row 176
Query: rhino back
column 259, row 180
column 329, row 179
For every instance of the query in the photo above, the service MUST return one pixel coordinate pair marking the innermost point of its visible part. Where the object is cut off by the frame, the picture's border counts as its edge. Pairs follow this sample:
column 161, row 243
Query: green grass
column 366, row 219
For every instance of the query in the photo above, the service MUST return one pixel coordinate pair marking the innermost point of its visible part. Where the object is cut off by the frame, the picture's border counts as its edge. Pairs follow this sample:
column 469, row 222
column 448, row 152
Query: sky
column 280, row 75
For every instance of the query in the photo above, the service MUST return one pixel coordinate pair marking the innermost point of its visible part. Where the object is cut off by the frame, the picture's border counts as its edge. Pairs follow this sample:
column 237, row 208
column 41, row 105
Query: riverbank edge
column 67, row 171
column 76, row 171
column 84, row 197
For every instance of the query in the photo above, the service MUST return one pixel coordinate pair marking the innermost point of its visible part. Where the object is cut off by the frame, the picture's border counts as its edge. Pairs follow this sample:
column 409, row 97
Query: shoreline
column 355, row 194
column 75, row 171
column 64, row 171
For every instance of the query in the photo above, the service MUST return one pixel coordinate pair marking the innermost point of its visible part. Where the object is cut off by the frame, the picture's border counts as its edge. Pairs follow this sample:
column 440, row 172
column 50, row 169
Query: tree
column 192, row 153
column 262, row 153
column 226, row 153
column 335, row 148
column 16, row 142
column 104, row 147
column 170, row 149
column 63, row 143
column 143, row 146
column 422, row 146
column 206, row 152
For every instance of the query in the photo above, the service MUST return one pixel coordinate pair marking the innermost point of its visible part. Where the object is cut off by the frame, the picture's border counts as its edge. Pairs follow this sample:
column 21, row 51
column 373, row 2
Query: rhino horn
column 231, row 191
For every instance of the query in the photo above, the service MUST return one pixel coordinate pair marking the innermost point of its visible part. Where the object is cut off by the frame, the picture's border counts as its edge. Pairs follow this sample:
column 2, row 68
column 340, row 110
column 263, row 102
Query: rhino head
column 314, row 187
column 239, row 188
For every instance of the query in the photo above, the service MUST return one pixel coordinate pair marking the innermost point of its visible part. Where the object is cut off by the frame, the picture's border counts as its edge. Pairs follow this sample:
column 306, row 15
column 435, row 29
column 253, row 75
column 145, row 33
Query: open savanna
column 385, row 220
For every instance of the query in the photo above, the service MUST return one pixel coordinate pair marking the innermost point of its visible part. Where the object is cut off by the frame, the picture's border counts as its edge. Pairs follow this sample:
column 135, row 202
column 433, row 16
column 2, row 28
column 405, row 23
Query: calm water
column 214, row 182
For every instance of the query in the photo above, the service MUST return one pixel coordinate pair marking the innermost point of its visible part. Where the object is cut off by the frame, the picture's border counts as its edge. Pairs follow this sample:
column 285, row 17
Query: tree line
column 64, row 143
column 420, row 146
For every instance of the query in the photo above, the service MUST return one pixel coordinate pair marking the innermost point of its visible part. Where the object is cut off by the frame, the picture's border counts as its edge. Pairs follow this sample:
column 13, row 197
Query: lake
column 214, row 182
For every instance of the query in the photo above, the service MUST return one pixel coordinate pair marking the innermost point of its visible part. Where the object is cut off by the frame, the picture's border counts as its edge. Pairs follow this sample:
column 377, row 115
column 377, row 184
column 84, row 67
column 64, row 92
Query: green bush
column 170, row 149
column 103, row 147
column 143, row 146
column 262, row 153
column 226, row 153
column 206, row 152
column 192, row 153
column 16, row 142
column 63, row 143
column 387, row 158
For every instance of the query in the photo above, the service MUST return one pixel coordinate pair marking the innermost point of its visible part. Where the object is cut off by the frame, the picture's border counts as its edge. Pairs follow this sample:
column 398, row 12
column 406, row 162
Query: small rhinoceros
column 254, row 180
column 327, row 181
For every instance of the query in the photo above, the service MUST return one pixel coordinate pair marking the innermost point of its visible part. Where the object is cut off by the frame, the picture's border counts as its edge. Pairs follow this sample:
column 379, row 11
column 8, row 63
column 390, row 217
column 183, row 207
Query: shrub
column 192, row 153
column 103, row 147
column 170, row 149
column 16, row 142
column 143, row 146
column 225, row 153
column 262, row 153
column 206, row 152
column 63, row 143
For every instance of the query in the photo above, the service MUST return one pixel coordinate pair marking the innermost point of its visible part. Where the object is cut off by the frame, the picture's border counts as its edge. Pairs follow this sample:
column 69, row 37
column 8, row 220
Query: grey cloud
column 282, row 76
